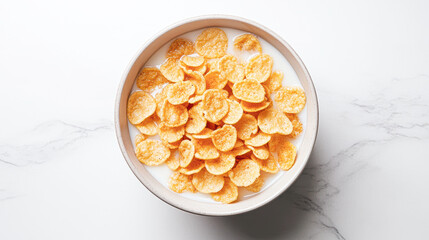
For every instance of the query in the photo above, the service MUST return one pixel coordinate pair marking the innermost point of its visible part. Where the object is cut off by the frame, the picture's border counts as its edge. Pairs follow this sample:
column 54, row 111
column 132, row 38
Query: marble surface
column 62, row 175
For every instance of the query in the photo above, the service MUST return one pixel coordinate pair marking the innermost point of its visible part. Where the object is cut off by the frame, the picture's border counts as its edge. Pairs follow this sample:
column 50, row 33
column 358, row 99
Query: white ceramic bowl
column 194, row 206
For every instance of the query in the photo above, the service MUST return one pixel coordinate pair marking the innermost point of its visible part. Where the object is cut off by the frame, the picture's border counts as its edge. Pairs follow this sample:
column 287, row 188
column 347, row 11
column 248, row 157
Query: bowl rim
column 215, row 211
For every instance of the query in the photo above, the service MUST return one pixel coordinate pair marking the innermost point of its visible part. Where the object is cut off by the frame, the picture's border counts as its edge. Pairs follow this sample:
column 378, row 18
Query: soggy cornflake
column 246, row 126
column 206, row 182
column 194, row 167
column 215, row 106
column 152, row 152
column 244, row 173
column 173, row 115
column 257, row 185
column 141, row 105
column 180, row 182
column 274, row 82
column 287, row 155
column 212, row 43
column 215, row 80
column 296, row 124
column 260, row 152
column 247, row 42
column 170, row 134
column 290, row 99
column 204, row 149
column 224, row 138
column 187, row 151
column 221, row 165
column 258, row 140
column 228, row 194
column 150, row 79
column 139, row 138
column 197, row 79
column 193, row 61
column 259, row 67
column 267, row 165
column 272, row 121
column 233, row 71
column 147, row 127
column 180, row 92
column 180, row 47
column 255, row 107
column 249, row 90
column 196, row 122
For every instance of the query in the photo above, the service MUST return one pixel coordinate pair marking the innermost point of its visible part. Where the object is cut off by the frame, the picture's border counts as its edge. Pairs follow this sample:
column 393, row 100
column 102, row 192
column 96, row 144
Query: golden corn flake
column 195, row 99
column 152, row 152
column 224, row 138
column 259, row 67
column 160, row 98
column 180, row 182
column 257, row 185
column 272, row 121
column 194, row 167
column 240, row 151
column 180, row 47
column 147, row 127
column 255, row 107
column 249, row 90
column 215, row 80
column 287, row 155
column 206, row 182
column 150, row 79
column 187, row 151
column 212, row 43
column 221, row 165
column 193, row 61
column 215, row 106
column 228, row 194
column 268, row 165
column 296, row 124
column 258, row 140
column 173, row 145
column 206, row 133
column 180, row 92
column 196, row 122
column 204, row 149
column 290, row 99
column 234, row 72
column 173, row 162
column 171, row 70
column 198, row 80
column 173, row 115
column 260, row 152
column 244, row 173
column 170, row 134
column 238, row 143
column 246, row 126
column 212, row 65
column 141, row 105
column 139, row 138
column 247, row 42
column 274, row 82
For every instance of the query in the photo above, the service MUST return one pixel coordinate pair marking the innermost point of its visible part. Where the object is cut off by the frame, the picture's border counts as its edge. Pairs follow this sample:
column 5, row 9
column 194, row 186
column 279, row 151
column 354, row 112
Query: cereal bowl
column 153, row 177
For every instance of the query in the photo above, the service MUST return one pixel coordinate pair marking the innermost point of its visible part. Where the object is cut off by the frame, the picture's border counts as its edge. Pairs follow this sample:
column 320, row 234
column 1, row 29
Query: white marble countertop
column 62, row 175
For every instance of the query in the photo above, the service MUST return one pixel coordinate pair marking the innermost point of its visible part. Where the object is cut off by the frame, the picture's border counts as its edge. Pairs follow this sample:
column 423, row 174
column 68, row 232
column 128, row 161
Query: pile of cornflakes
column 218, row 124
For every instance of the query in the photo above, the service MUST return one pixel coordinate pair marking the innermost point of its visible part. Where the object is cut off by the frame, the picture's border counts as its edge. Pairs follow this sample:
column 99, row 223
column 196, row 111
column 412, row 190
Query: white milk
column 162, row 173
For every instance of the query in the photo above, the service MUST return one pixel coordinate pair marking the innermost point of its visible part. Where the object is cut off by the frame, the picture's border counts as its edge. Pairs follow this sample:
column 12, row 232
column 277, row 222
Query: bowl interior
column 175, row 199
